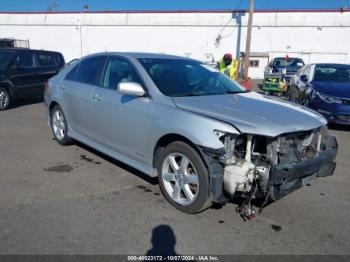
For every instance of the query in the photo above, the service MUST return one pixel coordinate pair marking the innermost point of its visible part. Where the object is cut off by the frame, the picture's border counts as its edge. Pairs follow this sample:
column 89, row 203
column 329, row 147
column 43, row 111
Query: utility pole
column 249, row 38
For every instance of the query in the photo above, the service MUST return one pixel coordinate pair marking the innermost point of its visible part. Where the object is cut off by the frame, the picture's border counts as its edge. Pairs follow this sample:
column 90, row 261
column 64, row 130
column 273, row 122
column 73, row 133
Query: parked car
column 285, row 65
column 204, row 136
column 24, row 72
column 324, row 88
column 278, row 73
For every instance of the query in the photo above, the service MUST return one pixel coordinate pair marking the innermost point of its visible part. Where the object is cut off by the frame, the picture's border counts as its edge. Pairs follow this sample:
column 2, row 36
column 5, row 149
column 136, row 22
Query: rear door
column 77, row 91
column 24, row 75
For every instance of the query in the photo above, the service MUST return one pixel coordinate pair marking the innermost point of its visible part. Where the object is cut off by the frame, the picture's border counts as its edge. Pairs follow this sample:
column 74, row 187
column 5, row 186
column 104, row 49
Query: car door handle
column 62, row 87
column 97, row 98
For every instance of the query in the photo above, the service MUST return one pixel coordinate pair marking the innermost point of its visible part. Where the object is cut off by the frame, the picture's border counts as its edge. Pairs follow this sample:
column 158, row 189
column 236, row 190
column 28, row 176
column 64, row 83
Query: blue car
column 324, row 88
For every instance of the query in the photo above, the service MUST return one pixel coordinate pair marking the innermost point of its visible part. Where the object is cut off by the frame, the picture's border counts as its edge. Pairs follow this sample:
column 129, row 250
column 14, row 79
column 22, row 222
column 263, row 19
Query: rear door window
column 72, row 73
column 46, row 60
column 89, row 71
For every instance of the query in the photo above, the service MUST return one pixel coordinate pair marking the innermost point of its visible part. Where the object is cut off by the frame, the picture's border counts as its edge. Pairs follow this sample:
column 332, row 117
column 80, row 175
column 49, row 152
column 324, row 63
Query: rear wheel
column 5, row 99
column 183, row 178
column 59, row 126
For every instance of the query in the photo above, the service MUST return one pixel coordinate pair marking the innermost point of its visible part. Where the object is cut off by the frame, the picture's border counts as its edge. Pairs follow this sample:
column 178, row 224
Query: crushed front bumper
column 285, row 178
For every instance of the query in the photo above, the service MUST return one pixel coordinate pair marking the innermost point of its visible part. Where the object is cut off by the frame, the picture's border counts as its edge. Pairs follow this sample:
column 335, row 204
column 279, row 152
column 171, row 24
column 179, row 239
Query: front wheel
column 59, row 126
column 5, row 99
column 183, row 178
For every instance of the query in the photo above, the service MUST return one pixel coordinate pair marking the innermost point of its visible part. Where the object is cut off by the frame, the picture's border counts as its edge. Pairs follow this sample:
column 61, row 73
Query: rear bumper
column 286, row 178
column 46, row 108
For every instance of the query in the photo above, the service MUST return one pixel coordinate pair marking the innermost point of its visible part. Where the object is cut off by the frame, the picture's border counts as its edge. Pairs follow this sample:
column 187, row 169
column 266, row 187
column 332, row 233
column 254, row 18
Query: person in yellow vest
column 229, row 66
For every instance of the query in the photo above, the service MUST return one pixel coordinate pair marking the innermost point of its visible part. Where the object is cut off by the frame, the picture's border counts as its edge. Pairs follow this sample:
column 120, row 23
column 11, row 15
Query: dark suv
column 24, row 72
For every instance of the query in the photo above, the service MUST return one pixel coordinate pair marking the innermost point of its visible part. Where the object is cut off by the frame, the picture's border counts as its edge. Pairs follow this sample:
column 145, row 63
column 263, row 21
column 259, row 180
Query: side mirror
column 303, row 78
column 130, row 88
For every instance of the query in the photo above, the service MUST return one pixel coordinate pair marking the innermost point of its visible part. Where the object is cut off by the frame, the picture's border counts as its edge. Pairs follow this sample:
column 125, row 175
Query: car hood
column 253, row 113
column 332, row 88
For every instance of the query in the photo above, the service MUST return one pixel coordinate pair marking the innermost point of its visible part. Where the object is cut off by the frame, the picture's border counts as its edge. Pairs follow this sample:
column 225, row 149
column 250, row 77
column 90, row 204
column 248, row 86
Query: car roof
column 26, row 50
column 154, row 55
column 289, row 57
column 139, row 55
column 331, row 64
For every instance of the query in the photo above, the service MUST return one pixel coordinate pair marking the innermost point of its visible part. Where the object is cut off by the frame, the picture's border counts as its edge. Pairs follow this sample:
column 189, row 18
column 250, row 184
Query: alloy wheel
column 58, row 125
column 180, row 178
column 4, row 99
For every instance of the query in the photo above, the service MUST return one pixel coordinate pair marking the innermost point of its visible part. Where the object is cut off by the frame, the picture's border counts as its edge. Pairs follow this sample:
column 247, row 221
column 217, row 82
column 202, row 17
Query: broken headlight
column 234, row 145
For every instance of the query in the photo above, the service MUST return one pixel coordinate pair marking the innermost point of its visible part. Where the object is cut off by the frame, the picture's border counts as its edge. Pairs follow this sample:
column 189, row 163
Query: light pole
column 85, row 9
column 249, row 38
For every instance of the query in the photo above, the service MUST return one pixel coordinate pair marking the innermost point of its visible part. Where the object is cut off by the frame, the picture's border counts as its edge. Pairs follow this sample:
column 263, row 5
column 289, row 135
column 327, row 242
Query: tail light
column 46, row 86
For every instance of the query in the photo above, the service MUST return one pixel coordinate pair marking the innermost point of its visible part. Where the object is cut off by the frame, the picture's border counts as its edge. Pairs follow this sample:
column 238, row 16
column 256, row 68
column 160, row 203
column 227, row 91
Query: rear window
column 292, row 62
column 47, row 59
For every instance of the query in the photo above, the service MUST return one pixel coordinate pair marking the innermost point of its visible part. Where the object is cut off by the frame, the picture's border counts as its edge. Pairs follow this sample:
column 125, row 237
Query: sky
column 101, row 5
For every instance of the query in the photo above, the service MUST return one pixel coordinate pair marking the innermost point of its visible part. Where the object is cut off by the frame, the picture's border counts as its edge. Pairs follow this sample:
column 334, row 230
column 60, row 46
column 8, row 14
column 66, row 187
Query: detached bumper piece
column 286, row 178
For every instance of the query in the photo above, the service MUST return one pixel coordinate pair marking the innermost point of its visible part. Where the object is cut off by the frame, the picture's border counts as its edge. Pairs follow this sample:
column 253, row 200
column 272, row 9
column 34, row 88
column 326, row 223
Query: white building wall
column 316, row 37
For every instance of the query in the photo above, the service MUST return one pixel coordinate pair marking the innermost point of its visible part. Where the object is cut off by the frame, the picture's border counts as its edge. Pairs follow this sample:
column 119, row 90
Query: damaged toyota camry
column 205, row 137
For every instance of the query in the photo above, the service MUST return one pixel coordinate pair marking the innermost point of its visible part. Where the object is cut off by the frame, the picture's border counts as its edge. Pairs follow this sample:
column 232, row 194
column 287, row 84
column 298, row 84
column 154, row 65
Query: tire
column 5, row 99
column 183, row 178
column 59, row 126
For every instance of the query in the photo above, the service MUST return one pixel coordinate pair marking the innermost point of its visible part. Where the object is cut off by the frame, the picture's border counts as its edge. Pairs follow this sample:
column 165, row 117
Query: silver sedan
column 204, row 136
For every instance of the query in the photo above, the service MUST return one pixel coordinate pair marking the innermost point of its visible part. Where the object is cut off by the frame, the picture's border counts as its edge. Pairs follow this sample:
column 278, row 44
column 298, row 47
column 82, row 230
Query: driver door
column 122, row 122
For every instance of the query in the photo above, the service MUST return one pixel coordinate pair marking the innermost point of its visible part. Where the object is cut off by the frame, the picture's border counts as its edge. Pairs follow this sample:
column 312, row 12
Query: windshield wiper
column 209, row 94
column 236, row 92
column 187, row 94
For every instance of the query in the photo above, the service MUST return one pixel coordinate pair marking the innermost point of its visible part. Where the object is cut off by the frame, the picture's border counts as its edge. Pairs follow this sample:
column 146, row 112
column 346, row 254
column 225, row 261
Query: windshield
column 332, row 74
column 183, row 77
column 291, row 62
column 5, row 58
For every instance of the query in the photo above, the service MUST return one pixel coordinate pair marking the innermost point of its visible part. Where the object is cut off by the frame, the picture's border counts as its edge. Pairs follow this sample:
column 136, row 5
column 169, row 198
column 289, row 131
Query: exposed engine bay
column 271, row 167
